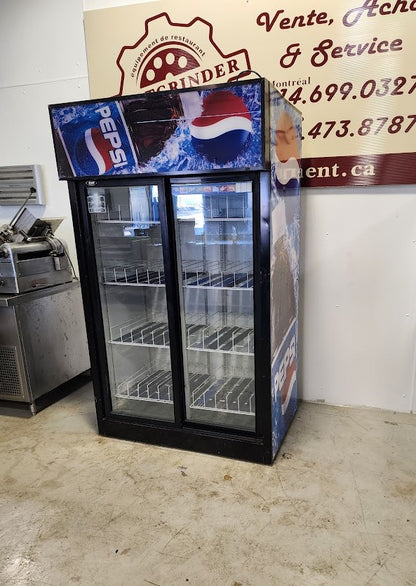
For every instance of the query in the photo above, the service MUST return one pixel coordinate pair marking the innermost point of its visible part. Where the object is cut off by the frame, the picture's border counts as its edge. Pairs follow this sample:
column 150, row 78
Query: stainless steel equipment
column 31, row 257
column 43, row 343
column 32, row 265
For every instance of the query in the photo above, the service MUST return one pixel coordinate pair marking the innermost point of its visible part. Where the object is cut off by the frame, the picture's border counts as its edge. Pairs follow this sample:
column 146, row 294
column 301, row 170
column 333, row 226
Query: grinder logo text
column 176, row 56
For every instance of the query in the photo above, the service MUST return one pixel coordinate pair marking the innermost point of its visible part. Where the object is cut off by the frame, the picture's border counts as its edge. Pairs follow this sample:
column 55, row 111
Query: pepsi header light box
column 207, row 128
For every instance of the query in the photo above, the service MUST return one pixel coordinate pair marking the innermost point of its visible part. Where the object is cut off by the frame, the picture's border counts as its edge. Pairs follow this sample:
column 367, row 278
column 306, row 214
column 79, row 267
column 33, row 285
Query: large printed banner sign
column 349, row 66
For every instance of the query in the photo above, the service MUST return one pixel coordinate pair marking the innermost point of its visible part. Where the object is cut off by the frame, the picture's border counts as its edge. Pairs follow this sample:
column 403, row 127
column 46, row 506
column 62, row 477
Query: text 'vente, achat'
column 299, row 21
column 371, row 8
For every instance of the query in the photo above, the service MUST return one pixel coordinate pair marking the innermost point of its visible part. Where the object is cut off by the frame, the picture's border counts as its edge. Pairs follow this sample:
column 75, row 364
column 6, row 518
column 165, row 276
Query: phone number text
column 386, row 86
column 367, row 126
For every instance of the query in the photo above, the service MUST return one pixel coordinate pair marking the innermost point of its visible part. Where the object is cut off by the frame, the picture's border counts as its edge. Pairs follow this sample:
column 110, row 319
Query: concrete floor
column 337, row 507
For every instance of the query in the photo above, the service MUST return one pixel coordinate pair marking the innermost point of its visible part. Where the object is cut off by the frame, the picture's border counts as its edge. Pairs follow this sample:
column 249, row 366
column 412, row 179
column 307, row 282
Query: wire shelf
column 231, row 339
column 215, row 209
column 121, row 214
column 135, row 275
column 147, row 385
column 211, row 274
column 214, row 274
column 229, row 394
column 141, row 332
column 226, row 206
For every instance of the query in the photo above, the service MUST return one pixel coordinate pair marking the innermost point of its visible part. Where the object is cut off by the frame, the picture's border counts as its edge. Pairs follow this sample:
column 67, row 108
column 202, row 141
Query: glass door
column 129, row 254
column 214, row 233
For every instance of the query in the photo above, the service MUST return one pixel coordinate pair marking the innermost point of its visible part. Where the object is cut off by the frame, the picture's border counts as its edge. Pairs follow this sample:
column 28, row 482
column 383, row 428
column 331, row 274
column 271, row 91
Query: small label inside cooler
column 96, row 203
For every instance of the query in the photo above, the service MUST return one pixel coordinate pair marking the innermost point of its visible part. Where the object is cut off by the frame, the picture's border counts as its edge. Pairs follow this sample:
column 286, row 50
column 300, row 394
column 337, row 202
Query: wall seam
column 43, row 82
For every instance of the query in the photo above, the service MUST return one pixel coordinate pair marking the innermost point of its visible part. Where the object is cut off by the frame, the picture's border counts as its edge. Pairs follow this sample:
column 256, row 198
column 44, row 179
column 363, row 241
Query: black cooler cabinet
column 186, row 211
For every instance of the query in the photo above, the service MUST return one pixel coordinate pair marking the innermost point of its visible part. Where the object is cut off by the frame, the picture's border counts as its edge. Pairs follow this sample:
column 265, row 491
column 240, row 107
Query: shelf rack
column 141, row 333
column 136, row 275
column 232, row 339
column 226, row 206
column 121, row 213
column 230, row 394
column 211, row 274
column 147, row 385
column 229, row 215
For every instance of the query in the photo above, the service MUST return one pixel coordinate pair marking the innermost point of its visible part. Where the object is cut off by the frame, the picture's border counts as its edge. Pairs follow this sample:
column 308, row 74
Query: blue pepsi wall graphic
column 166, row 132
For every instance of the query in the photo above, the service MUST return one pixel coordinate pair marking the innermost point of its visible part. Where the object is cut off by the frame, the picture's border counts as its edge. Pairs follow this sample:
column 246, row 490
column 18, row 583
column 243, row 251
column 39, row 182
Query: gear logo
column 172, row 56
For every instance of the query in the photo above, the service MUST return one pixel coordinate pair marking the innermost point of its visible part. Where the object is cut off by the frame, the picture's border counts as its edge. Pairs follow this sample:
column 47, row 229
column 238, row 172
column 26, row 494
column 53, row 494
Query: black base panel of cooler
column 190, row 439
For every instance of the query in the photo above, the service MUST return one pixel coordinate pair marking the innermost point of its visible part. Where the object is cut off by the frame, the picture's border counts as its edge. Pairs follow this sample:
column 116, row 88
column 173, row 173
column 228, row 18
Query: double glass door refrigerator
column 186, row 212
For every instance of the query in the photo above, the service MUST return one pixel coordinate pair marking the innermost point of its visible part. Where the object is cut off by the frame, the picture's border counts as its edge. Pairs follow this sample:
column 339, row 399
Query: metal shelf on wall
column 195, row 274
column 230, row 394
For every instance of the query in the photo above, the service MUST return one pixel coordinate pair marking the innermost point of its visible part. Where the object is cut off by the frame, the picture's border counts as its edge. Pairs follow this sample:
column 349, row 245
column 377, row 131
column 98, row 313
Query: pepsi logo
column 288, row 385
column 93, row 152
column 99, row 150
column 286, row 376
column 224, row 127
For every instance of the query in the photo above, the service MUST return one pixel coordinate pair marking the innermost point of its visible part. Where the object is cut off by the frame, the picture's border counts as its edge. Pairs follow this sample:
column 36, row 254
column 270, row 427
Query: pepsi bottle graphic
column 151, row 122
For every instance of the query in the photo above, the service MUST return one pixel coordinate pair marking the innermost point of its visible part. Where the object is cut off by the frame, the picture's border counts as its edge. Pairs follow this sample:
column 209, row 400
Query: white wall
column 42, row 61
column 358, row 321
column 359, row 296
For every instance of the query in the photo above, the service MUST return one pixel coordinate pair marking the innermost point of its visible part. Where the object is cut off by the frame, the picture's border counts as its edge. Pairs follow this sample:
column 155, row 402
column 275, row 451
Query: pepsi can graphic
column 94, row 140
